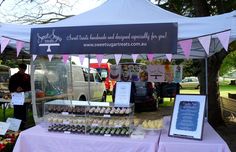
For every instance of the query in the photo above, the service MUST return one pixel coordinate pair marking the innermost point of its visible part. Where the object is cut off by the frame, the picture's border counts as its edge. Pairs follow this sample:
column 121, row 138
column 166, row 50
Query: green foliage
column 228, row 64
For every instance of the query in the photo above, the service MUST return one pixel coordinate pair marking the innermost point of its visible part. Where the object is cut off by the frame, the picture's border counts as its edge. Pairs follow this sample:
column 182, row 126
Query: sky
column 9, row 8
column 79, row 6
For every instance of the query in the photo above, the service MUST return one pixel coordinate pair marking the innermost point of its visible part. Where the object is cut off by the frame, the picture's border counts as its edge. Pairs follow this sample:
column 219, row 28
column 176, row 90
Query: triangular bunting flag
column 150, row 57
column 169, row 57
column 81, row 58
column 65, row 58
column 205, row 42
column 50, row 57
column 4, row 43
column 34, row 57
column 99, row 58
column 224, row 39
column 19, row 46
column 134, row 56
column 117, row 58
column 186, row 47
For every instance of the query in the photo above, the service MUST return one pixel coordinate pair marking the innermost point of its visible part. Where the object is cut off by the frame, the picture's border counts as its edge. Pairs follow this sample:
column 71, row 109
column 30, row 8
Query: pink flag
column 50, row 57
column 186, row 46
column 34, row 57
column 99, row 58
column 19, row 46
column 134, row 56
column 224, row 39
column 169, row 57
column 65, row 58
column 4, row 43
column 150, row 57
column 81, row 58
column 117, row 58
column 205, row 42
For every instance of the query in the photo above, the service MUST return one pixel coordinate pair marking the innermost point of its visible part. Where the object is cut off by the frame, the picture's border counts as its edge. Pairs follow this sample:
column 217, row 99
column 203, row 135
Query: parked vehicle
column 80, row 84
column 56, row 77
column 143, row 95
column 104, row 71
column 190, row 82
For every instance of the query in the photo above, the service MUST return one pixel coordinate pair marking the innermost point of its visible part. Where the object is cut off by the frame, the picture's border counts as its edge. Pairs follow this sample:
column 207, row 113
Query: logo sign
column 105, row 39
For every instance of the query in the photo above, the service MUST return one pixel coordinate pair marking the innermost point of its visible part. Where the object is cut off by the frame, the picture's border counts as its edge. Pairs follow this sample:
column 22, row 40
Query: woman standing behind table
column 20, row 82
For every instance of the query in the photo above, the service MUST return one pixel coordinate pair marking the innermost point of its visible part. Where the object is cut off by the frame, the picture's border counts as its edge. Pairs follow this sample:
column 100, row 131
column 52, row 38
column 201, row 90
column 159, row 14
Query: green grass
column 224, row 90
column 9, row 113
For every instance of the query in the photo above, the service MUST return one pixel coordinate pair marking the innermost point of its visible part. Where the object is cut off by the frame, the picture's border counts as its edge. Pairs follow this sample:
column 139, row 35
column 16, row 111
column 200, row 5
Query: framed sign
column 122, row 95
column 188, row 116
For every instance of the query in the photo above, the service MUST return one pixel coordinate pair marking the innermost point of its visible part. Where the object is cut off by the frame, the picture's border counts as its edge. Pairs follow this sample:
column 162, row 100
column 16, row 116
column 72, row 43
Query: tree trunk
column 214, row 111
column 214, row 63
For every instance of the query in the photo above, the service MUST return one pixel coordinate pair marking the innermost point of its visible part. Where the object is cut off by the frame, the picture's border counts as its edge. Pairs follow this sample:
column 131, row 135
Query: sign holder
column 188, row 116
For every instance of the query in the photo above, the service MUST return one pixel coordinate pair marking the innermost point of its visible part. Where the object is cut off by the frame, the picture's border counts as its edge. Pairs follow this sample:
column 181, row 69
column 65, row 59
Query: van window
column 103, row 72
column 97, row 77
column 86, row 76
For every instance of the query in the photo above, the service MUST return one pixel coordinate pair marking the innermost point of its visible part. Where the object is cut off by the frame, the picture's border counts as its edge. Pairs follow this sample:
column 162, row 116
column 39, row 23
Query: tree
column 42, row 11
column 229, row 64
column 206, row 8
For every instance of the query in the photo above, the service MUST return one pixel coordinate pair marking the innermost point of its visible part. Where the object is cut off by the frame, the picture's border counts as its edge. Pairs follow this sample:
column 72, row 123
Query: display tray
column 152, row 129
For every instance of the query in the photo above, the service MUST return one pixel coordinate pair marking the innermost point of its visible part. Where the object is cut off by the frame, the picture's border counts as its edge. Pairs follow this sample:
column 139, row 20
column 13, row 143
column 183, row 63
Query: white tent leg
column 206, row 80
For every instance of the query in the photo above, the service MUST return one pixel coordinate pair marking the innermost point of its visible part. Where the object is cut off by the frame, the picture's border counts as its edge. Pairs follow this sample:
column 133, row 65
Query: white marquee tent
column 115, row 12
column 118, row 12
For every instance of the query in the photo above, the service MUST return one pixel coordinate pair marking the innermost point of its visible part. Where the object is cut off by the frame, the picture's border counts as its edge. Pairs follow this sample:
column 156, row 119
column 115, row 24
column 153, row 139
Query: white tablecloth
column 211, row 142
column 38, row 139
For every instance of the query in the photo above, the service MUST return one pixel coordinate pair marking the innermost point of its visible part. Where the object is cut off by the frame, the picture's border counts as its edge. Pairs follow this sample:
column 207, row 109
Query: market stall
column 126, row 30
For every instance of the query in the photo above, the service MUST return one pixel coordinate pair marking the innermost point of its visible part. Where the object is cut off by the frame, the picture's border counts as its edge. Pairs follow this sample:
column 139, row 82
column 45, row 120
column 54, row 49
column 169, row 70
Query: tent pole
column 206, row 80
column 89, row 77
column 33, row 96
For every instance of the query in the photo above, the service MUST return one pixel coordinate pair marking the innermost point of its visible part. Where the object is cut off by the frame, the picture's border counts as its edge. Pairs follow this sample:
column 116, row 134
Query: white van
column 81, row 83
column 55, row 78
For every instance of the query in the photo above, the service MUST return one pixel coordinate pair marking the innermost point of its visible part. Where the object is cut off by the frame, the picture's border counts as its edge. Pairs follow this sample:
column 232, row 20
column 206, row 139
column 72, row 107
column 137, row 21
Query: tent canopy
column 116, row 12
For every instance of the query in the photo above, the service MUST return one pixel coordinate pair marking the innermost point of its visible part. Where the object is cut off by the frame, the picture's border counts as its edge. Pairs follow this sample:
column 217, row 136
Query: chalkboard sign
column 187, row 117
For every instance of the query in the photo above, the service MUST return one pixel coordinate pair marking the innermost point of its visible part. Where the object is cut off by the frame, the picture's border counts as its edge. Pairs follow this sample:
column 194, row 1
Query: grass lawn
column 224, row 90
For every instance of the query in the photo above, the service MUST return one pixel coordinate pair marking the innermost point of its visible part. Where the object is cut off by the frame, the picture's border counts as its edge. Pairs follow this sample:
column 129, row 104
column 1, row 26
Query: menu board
column 4, row 127
column 14, row 124
column 188, row 116
column 18, row 98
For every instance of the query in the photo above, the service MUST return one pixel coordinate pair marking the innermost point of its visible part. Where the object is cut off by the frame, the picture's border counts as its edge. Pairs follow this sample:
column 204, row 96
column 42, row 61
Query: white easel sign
column 122, row 94
column 4, row 127
column 18, row 98
column 14, row 124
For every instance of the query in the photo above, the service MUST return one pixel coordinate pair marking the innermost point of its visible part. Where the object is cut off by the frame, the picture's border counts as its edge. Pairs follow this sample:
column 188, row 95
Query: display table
column 211, row 141
column 38, row 139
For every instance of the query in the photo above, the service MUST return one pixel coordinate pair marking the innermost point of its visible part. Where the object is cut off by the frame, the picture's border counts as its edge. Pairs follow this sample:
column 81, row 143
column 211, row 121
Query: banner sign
column 158, row 38
column 140, row 72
